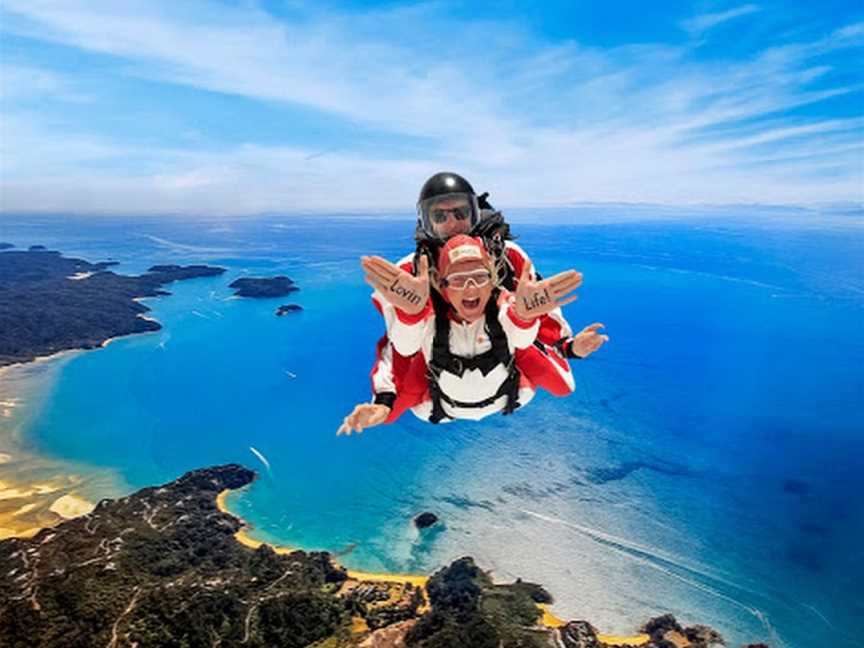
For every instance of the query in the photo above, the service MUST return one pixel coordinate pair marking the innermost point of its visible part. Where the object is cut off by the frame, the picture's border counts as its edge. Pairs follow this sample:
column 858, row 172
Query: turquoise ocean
column 708, row 465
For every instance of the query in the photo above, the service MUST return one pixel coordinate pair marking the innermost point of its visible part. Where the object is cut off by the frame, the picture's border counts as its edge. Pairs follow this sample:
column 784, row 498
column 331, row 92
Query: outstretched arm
column 364, row 415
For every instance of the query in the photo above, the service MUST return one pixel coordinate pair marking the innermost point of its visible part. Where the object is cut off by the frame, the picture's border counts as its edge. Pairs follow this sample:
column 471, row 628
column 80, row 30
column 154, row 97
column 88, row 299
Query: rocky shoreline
column 162, row 567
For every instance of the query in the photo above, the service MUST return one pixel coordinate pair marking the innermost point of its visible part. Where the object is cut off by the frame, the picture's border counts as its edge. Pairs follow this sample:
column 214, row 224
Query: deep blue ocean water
column 709, row 464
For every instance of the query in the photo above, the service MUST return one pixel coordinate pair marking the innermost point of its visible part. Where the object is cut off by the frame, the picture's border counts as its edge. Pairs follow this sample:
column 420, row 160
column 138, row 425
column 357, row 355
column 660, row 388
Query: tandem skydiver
column 448, row 206
column 467, row 333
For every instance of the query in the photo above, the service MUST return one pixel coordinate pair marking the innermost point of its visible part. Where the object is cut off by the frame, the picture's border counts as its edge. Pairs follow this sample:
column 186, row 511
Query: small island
column 167, row 273
column 284, row 309
column 51, row 303
column 6, row 246
column 263, row 287
column 168, row 565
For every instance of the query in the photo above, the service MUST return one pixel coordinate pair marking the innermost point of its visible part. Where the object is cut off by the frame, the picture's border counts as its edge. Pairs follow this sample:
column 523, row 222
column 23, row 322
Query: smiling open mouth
column 471, row 304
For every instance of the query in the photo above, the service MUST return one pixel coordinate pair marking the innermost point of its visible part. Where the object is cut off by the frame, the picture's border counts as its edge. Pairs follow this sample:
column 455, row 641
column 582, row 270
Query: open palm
column 399, row 287
column 536, row 298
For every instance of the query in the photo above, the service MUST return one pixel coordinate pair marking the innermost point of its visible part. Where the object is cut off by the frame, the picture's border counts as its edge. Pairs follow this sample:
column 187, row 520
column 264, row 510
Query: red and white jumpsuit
column 400, row 380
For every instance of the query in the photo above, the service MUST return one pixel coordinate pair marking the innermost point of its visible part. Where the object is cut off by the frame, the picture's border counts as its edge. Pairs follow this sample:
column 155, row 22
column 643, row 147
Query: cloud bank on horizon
column 247, row 107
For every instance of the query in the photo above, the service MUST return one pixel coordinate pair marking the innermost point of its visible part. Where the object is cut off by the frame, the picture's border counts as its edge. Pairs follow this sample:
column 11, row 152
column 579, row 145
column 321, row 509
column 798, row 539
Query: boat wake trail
column 182, row 247
column 674, row 567
column 258, row 454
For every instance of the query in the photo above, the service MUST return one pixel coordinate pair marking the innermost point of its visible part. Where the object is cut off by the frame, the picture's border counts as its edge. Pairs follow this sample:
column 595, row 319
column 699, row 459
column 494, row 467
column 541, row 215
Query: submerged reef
column 162, row 567
column 51, row 303
column 262, row 287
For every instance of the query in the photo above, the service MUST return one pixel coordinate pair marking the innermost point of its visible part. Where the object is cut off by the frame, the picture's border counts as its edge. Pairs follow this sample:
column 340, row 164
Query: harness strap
column 440, row 353
column 503, row 390
column 458, row 365
column 501, row 349
column 443, row 360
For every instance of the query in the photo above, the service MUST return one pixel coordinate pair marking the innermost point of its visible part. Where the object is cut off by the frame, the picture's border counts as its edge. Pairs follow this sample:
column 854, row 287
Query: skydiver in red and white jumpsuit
column 448, row 206
column 469, row 338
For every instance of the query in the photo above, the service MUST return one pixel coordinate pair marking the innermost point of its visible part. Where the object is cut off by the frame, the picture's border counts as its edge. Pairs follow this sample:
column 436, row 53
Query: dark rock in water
column 425, row 520
column 288, row 308
column 51, row 303
column 6, row 246
column 263, row 287
column 36, row 248
column 578, row 634
column 759, row 645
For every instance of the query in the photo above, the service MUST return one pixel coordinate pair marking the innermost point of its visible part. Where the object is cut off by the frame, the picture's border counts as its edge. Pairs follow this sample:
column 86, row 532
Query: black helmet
column 444, row 183
column 444, row 196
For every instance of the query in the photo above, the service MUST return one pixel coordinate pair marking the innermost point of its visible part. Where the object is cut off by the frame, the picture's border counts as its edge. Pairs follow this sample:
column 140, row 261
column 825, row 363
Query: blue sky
column 260, row 106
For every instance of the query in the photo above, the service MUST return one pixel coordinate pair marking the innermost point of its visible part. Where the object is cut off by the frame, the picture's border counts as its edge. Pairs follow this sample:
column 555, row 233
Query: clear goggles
column 461, row 280
column 459, row 208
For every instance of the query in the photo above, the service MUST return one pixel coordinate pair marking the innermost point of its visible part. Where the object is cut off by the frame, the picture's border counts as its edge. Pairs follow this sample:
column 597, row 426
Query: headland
column 51, row 303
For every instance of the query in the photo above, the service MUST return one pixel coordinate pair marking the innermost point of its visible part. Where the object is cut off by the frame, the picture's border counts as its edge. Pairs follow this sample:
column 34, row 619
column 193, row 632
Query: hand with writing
column 588, row 340
column 365, row 415
column 399, row 287
column 536, row 298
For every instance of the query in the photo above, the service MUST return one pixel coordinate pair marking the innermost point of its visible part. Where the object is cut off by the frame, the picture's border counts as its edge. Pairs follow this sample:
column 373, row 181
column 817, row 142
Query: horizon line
column 833, row 205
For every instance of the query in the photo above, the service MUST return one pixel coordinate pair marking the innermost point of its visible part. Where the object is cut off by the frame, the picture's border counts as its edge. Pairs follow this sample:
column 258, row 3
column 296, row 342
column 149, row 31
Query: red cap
column 461, row 248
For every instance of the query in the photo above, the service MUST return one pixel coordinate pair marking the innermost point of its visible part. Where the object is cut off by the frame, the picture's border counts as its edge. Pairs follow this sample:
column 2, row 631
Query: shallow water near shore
column 706, row 466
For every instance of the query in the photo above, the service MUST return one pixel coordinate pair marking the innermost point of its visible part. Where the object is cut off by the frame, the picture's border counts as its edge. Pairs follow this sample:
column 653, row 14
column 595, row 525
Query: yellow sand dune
column 25, row 509
column 17, row 493
column 71, row 506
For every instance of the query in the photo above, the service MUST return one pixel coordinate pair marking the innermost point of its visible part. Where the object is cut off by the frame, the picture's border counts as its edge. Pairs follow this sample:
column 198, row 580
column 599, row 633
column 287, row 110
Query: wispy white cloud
column 536, row 123
column 27, row 82
column 703, row 22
